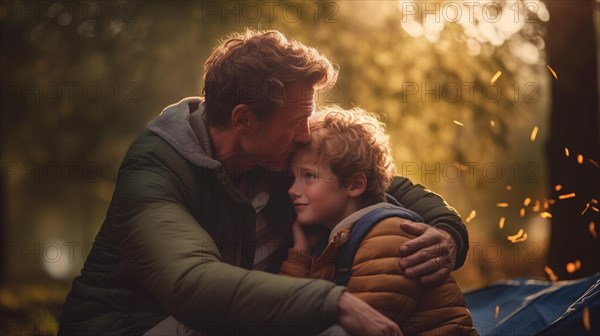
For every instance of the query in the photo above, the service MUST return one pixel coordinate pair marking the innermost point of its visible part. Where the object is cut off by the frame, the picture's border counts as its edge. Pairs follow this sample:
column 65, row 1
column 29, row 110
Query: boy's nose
column 293, row 192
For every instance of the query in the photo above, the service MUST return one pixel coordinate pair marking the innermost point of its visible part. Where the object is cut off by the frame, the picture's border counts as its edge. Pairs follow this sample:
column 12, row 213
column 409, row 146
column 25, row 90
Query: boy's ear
column 357, row 184
column 241, row 117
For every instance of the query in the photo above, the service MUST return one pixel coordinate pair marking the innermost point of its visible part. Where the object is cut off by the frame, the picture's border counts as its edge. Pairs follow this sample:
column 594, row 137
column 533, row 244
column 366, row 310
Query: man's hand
column 430, row 256
column 358, row 318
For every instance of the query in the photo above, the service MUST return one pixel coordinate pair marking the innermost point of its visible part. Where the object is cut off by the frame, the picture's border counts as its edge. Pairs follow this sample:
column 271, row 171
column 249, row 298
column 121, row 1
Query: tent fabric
column 533, row 307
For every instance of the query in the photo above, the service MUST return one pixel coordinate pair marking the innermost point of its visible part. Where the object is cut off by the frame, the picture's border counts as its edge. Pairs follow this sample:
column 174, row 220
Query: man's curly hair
column 257, row 68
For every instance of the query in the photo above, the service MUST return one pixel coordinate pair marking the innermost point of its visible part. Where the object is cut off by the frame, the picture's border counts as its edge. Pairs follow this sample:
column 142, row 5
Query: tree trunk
column 574, row 124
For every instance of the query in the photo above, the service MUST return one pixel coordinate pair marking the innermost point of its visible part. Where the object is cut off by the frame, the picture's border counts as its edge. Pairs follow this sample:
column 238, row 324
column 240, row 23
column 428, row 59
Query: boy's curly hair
column 352, row 141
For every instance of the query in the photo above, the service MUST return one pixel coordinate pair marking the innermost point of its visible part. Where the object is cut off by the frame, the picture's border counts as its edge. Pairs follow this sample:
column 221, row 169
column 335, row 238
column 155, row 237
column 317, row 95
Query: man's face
column 272, row 141
column 317, row 194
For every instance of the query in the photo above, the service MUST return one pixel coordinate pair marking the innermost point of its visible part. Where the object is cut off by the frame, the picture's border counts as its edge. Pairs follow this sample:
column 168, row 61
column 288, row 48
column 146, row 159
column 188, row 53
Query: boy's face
column 317, row 194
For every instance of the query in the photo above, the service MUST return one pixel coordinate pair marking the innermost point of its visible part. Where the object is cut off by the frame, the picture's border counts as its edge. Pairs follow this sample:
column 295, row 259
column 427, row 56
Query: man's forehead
column 297, row 92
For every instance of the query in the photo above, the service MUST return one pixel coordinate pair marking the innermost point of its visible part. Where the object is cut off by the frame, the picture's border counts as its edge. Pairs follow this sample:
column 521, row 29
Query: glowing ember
column 492, row 123
column 471, row 216
column 502, row 205
column 496, row 76
column 458, row 123
column 497, row 311
column 580, row 159
column 501, row 223
column 508, row 187
column 586, row 319
column 592, row 228
column 550, row 273
column 595, row 209
column 526, row 201
column 545, row 203
column 546, row 215
column 534, row 133
column 566, row 152
column 519, row 237
column 594, row 163
column 565, row 196
column 558, row 187
column 595, row 201
column 536, row 206
column 587, row 206
column 551, row 201
column 522, row 212
column 573, row 266
column 552, row 71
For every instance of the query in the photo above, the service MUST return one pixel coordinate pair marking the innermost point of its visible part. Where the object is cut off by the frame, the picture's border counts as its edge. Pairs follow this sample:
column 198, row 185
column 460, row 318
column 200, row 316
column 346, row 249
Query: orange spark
column 526, row 201
column 546, row 215
column 502, row 205
column 550, row 273
column 566, row 152
column 471, row 216
column 519, row 237
column 587, row 206
column 573, row 266
column 586, row 319
column 458, row 123
column 508, row 187
column 501, row 223
column 592, row 228
column 558, row 187
column 580, row 158
column 536, row 206
column 552, row 71
column 496, row 76
column 565, row 196
column 594, row 163
column 522, row 212
column 497, row 311
column 534, row 133
column 492, row 123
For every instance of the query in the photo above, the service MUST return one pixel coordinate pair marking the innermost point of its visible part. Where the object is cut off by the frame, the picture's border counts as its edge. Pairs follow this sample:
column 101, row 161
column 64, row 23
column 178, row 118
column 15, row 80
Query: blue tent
column 532, row 307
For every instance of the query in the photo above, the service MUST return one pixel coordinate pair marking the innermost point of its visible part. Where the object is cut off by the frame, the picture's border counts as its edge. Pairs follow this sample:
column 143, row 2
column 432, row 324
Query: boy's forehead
column 305, row 156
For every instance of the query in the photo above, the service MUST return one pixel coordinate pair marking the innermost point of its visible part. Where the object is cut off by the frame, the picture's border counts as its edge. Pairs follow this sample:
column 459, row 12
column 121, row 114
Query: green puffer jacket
column 178, row 239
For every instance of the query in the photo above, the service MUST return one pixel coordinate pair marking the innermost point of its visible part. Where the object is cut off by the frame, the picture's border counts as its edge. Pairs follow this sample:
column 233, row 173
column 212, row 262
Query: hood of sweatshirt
column 186, row 131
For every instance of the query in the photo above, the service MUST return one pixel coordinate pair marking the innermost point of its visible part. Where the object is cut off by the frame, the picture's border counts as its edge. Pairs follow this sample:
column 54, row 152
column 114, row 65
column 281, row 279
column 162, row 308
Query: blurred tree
column 419, row 69
column 572, row 52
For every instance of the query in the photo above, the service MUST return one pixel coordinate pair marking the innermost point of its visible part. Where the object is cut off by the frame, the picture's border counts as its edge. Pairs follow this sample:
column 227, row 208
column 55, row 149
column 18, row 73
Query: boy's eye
column 310, row 176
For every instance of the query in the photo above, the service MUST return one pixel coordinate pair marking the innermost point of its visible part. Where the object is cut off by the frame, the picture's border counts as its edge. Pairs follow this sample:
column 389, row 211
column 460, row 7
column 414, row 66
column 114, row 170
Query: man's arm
column 178, row 262
column 438, row 214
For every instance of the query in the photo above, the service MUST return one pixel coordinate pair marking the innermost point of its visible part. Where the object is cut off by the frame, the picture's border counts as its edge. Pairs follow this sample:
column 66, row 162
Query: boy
column 339, row 178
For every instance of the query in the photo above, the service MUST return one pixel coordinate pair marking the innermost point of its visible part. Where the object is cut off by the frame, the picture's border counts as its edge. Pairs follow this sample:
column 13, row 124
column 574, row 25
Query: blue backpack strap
column 321, row 245
column 347, row 252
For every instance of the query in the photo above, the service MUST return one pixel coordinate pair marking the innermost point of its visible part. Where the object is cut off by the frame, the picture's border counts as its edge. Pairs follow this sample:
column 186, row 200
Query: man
column 200, row 212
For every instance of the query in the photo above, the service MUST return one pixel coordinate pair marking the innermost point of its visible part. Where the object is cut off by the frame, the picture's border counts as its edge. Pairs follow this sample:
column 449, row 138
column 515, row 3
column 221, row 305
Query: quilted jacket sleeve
column 376, row 274
column 297, row 265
